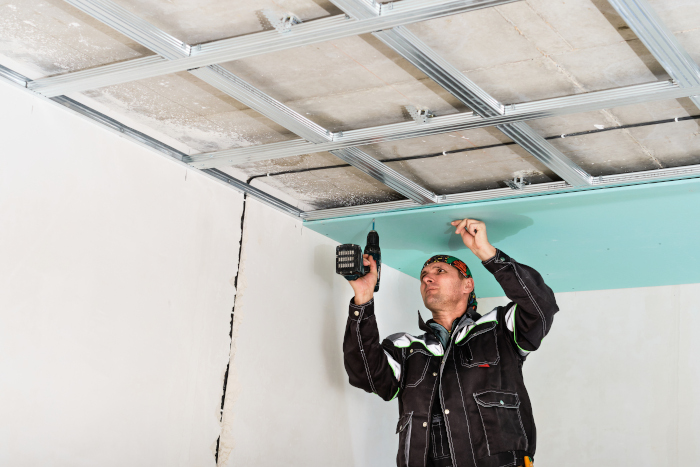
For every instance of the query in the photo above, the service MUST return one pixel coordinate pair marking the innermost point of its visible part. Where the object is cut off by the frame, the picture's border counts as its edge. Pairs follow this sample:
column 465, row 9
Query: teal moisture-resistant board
column 634, row 236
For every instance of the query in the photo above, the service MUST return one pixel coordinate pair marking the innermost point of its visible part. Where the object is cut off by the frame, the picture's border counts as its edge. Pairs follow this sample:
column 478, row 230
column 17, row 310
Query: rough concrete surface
column 518, row 52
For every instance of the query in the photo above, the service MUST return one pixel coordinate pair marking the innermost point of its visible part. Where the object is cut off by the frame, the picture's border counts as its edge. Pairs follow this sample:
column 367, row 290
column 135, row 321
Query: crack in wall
column 230, row 332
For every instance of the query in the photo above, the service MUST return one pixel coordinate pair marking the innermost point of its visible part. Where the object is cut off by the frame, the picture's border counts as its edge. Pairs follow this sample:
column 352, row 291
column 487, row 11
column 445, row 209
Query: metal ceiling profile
column 236, row 48
column 160, row 42
column 558, row 106
column 660, row 41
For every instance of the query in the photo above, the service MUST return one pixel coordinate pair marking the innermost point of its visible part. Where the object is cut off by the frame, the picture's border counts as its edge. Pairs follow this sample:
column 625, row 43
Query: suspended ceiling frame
column 385, row 22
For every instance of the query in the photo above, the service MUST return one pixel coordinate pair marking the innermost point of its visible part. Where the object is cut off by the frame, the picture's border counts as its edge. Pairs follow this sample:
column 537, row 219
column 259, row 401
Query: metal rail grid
column 452, row 80
column 385, row 22
column 173, row 49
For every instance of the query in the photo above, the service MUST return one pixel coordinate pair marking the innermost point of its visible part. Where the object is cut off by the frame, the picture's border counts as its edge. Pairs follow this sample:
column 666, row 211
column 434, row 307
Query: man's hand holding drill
column 364, row 286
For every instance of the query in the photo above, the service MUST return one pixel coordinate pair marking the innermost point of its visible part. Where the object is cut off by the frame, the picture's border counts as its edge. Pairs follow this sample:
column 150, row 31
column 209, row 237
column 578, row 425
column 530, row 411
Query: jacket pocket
column 500, row 418
column 480, row 347
column 403, row 428
column 416, row 367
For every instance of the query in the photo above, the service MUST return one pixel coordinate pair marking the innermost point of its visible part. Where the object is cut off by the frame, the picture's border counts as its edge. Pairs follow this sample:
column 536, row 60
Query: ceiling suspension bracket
column 419, row 115
column 281, row 22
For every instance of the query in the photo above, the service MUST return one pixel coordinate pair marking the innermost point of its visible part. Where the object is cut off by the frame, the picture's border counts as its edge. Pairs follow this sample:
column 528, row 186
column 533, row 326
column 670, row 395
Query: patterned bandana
column 462, row 267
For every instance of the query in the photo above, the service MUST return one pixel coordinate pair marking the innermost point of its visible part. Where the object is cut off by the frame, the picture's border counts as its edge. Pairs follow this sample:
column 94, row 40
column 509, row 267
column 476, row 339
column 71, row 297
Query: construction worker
column 462, row 399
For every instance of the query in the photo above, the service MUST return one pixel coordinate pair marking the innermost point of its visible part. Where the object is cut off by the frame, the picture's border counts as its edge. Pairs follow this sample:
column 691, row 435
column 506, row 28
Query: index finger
column 461, row 225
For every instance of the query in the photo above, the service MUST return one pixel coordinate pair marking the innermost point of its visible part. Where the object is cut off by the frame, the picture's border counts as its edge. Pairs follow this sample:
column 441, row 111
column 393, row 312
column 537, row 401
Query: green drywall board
column 633, row 236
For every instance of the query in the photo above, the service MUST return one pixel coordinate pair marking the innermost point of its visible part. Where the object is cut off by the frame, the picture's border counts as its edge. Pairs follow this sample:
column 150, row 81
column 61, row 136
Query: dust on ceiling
column 518, row 52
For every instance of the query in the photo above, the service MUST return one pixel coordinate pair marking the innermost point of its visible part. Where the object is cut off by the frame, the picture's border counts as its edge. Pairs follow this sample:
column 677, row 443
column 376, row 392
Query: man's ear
column 468, row 285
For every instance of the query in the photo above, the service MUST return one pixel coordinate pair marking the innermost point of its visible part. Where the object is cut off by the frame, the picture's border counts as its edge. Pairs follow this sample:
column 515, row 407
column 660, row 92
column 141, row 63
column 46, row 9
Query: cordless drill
column 348, row 259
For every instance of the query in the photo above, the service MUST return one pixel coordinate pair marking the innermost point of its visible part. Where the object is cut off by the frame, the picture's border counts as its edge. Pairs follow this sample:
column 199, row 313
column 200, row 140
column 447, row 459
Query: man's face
column 442, row 286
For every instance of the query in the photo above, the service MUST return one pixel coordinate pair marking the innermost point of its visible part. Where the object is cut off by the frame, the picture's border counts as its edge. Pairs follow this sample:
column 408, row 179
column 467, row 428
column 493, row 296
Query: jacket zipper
column 442, row 399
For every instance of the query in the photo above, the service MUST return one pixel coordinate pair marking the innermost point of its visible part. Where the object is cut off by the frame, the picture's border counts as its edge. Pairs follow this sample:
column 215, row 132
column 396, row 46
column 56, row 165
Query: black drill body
column 348, row 259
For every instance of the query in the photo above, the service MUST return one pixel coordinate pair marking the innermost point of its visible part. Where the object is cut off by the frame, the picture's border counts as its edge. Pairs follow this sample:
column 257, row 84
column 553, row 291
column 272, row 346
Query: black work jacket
column 486, row 407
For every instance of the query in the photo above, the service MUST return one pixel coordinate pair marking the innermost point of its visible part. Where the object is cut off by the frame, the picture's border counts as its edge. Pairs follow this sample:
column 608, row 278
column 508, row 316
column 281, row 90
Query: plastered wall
column 615, row 382
column 116, row 288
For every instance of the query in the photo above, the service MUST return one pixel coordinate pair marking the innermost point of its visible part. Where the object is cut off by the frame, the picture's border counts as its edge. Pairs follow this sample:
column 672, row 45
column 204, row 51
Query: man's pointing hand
column 473, row 234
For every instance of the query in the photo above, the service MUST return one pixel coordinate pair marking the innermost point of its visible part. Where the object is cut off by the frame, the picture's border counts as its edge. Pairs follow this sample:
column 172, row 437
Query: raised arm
column 369, row 365
column 530, row 316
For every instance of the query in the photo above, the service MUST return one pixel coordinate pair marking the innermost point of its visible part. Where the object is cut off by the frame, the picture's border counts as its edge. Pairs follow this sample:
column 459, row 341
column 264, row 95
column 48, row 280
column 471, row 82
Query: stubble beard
column 435, row 302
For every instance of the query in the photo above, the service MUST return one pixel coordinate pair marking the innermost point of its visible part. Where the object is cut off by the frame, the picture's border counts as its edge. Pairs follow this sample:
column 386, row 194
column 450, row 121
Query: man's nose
column 427, row 279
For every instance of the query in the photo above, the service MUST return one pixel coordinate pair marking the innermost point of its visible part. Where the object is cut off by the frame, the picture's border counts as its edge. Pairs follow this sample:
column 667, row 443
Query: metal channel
column 220, row 78
column 660, row 41
column 146, row 140
column 606, row 181
column 236, row 48
column 586, row 102
column 451, row 79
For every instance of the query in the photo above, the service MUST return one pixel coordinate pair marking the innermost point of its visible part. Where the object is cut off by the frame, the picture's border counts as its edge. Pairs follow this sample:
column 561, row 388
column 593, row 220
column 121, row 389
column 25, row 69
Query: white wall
column 288, row 401
column 116, row 270
column 615, row 383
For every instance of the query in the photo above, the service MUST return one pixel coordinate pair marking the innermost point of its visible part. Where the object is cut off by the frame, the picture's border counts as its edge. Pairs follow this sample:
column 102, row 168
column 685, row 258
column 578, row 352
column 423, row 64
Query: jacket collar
column 422, row 325
column 469, row 317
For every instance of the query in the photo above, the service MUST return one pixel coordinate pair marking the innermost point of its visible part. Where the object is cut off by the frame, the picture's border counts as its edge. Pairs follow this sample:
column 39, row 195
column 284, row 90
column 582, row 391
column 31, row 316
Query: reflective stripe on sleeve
column 395, row 366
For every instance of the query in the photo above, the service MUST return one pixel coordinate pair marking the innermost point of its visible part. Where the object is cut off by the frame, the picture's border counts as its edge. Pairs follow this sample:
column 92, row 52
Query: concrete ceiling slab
column 456, row 141
column 612, row 66
column 529, row 23
column 478, row 39
column 52, row 37
column 653, row 111
column 690, row 41
column 574, row 123
column 583, row 23
column 190, row 111
column 607, row 153
column 522, row 81
column 330, row 188
column 678, row 15
column 673, row 144
column 286, row 164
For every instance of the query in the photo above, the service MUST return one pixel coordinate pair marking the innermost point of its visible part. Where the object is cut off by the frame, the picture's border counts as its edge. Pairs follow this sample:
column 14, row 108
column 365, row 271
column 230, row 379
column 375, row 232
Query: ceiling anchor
column 282, row 22
column 419, row 115
column 518, row 183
